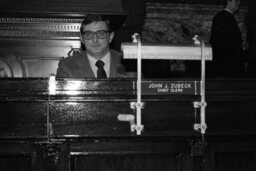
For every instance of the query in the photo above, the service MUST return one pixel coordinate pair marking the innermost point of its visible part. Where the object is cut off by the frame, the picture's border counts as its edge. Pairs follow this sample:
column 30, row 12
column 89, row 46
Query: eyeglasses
column 101, row 34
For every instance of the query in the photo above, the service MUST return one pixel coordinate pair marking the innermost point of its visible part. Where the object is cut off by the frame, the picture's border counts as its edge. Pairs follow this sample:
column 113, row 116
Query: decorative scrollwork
column 38, row 20
column 39, row 28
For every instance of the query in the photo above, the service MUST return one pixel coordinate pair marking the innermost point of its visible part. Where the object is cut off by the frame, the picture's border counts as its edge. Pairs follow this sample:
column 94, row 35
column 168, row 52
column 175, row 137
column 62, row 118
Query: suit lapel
column 116, row 70
column 84, row 69
column 113, row 66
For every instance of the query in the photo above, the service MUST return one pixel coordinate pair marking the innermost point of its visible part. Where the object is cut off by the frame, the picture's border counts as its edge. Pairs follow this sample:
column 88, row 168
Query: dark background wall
column 196, row 1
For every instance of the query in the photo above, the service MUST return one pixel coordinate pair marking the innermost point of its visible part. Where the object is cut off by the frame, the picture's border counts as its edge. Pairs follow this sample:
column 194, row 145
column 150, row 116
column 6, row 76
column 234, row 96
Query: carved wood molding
column 38, row 20
column 52, row 7
column 39, row 28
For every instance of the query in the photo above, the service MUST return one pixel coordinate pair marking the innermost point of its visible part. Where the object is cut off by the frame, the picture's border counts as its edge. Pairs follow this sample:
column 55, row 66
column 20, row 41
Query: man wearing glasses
column 97, row 61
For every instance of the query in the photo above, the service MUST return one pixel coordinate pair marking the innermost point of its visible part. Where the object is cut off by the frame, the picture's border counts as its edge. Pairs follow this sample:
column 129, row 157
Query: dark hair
column 90, row 18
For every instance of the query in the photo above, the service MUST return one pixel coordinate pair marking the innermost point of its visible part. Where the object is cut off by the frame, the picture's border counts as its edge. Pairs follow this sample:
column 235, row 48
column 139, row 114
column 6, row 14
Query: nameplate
column 170, row 87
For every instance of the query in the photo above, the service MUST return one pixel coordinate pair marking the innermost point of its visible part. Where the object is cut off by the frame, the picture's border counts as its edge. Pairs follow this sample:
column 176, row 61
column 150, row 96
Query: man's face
column 234, row 4
column 97, row 47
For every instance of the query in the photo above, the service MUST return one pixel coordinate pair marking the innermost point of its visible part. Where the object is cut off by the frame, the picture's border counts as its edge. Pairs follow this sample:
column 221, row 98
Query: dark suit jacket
column 78, row 66
column 226, row 41
column 251, row 39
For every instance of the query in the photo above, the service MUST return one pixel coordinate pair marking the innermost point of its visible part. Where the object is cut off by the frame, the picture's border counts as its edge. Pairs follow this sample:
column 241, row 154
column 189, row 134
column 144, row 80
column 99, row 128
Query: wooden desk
column 77, row 129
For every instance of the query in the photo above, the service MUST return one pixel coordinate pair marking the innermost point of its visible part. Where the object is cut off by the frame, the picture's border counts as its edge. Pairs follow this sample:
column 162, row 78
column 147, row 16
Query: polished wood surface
column 80, row 131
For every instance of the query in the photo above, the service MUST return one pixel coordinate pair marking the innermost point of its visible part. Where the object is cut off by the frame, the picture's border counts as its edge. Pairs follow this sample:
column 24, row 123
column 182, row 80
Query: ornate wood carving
column 60, row 7
column 39, row 28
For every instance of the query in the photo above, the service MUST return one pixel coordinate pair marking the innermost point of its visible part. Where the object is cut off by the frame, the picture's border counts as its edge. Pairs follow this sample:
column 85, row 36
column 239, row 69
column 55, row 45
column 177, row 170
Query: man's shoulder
column 115, row 54
column 222, row 15
column 76, row 58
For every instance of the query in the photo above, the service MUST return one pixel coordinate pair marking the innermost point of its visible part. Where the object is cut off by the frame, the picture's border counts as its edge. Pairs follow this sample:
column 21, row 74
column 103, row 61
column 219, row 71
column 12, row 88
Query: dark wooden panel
column 231, row 117
column 83, row 118
column 17, row 157
column 23, row 89
column 23, row 119
column 84, row 133
column 218, row 2
column 152, row 162
column 235, row 161
column 74, row 8
column 93, row 109
column 100, row 118
column 15, row 163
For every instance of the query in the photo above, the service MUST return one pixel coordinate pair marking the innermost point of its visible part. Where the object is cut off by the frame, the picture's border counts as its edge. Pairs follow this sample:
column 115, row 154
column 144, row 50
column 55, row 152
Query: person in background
column 226, row 41
column 250, row 22
column 98, row 60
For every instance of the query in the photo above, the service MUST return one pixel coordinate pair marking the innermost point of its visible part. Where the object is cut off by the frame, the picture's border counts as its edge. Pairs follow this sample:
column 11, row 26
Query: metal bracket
column 137, row 128
column 135, row 105
column 202, row 125
column 127, row 118
column 202, row 104
column 131, row 119
column 199, row 104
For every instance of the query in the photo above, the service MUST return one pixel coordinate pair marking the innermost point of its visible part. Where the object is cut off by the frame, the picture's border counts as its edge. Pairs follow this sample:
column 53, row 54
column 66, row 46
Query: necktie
column 100, row 72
